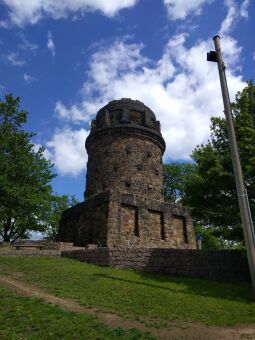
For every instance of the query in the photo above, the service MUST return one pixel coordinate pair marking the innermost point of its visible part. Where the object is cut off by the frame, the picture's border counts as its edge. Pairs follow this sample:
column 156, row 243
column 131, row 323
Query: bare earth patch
column 176, row 330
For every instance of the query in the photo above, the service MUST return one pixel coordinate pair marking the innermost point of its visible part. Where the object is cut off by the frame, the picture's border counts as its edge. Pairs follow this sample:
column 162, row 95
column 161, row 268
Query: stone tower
column 125, row 149
column 124, row 204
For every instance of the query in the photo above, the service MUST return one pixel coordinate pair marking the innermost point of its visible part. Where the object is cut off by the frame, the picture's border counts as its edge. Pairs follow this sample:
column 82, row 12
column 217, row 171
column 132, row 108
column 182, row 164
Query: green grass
column 25, row 318
column 155, row 299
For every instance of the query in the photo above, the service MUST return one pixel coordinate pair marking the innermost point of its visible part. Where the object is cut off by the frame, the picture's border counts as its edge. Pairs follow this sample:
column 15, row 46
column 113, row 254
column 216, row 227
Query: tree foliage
column 58, row 205
column 176, row 177
column 211, row 193
column 208, row 237
column 208, row 185
column 25, row 175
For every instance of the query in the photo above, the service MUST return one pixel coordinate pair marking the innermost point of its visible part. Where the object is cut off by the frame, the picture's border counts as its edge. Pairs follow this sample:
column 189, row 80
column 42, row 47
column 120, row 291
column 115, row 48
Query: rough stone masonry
column 124, row 204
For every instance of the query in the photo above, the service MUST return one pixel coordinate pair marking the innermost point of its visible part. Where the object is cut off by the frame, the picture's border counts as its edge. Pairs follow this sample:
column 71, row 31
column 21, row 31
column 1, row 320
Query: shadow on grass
column 222, row 290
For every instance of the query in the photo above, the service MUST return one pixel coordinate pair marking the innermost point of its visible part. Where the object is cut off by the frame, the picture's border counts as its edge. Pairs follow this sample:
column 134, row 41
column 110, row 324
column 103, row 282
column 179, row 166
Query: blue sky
column 65, row 59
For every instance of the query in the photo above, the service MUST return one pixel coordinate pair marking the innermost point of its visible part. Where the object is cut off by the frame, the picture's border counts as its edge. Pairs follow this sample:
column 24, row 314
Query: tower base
column 115, row 219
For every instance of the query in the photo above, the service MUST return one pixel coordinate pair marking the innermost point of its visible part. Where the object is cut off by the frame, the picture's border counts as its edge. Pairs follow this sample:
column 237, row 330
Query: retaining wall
column 219, row 265
column 49, row 248
column 28, row 252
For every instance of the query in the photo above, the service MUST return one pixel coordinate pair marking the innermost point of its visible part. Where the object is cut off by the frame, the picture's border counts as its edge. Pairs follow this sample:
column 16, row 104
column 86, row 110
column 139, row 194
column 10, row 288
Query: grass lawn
column 152, row 298
column 25, row 318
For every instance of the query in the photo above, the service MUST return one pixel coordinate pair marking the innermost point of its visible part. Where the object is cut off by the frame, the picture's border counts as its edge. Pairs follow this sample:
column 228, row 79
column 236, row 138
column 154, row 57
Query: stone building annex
column 124, row 204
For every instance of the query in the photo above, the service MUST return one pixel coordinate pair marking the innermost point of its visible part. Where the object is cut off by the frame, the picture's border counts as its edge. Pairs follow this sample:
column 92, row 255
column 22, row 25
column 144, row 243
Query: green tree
column 25, row 175
column 211, row 191
column 176, row 176
column 209, row 239
column 58, row 205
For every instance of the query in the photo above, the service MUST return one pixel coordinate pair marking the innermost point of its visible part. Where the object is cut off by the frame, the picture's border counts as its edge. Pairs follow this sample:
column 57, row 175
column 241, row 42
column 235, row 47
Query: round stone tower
column 124, row 204
column 125, row 149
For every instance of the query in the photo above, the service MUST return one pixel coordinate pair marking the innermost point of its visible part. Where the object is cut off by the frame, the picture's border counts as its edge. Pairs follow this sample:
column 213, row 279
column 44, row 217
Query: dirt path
column 179, row 329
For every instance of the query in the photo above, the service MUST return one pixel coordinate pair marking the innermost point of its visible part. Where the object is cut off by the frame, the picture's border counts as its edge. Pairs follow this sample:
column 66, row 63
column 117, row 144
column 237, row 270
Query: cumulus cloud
column 181, row 88
column 182, row 8
column 76, row 113
column 51, row 44
column 31, row 11
column 46, row 153
column 67, row 151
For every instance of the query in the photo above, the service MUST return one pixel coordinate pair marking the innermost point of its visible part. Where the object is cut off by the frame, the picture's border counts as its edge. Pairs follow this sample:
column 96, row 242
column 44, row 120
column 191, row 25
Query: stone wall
column 28, row 252
column 123, row 159
column 219, row 265
column 86, row 222
column 116, row 219
column 141, row 222
column 49, row 248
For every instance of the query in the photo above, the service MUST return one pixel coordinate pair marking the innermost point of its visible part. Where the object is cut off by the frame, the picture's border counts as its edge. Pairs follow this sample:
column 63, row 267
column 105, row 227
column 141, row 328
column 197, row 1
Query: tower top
column 125, row 111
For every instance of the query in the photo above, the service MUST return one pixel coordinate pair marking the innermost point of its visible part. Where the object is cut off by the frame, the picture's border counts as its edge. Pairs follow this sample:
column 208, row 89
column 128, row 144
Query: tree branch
column 18, row 235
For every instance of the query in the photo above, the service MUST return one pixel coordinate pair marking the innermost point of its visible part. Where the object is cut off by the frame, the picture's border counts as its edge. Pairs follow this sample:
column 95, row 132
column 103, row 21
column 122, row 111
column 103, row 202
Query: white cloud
column 244, row 8
column 235, row 12
column 67, row 151
column 31, row 11
column 25, row 49
column 14, row 59
column 181, row 87
column 76, row 113
column 28, row 78
column 180, row 9
column 231, row 17
column 104, row 68
column 47, row 154
column 51, row 44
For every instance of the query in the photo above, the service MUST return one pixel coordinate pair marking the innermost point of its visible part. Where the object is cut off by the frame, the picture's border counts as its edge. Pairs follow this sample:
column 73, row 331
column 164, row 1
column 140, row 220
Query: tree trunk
column 7, row 226
column 6, row 238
